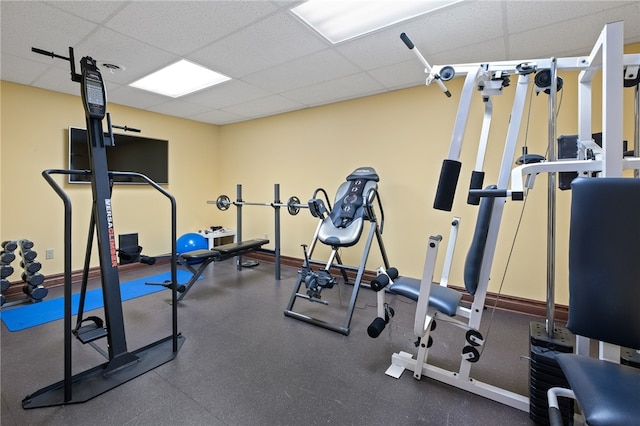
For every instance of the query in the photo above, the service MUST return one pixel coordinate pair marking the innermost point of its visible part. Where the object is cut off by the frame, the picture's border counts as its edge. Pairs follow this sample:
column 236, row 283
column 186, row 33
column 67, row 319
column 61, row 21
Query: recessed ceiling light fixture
column 179, row 79
column 338, row 21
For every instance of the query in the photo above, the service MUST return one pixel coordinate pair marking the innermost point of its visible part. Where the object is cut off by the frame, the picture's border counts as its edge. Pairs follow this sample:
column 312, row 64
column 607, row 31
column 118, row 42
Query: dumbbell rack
column 33, row 288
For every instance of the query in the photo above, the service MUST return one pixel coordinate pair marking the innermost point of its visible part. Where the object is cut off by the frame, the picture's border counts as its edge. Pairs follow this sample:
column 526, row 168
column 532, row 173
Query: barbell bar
column 293, row 204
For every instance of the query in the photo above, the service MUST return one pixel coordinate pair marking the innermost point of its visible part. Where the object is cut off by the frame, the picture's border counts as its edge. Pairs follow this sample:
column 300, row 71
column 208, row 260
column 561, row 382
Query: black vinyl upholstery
column 604, row 285
column 475, row 255
column 343, row 226
column 442, row 299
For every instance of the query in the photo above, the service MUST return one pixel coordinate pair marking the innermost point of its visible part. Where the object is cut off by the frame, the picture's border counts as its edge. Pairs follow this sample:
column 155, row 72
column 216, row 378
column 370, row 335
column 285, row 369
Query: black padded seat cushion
column 199, row 254
column 442, row 299
column 241, row 246
column 225, row 251
column 609, row 393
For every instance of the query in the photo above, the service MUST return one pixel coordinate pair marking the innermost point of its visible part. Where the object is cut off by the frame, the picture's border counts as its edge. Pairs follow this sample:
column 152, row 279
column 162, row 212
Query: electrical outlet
column 48, row 254
column 266, row 236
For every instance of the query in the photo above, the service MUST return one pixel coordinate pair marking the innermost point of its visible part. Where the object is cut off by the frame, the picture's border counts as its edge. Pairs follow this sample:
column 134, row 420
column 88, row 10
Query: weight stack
column 545, row 373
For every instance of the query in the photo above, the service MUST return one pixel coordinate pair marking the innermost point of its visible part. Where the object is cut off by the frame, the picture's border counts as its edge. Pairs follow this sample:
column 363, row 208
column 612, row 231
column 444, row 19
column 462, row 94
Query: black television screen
column 131, row 153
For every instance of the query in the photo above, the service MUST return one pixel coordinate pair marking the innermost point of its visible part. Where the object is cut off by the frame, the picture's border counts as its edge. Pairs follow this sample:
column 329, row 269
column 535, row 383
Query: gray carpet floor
column 244, row 363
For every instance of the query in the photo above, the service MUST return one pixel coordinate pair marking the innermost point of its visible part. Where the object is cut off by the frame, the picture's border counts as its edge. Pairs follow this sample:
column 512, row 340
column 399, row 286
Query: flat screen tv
column 131, row 153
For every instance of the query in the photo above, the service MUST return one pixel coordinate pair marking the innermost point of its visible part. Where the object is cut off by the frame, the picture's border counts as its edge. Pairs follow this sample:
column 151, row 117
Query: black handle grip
column 42, row 52
column 407, row 40
column 46, row 53
column 489, row 193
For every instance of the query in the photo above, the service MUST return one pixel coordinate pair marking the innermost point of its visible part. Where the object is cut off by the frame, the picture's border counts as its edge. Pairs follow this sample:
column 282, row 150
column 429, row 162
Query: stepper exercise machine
column 123, row 364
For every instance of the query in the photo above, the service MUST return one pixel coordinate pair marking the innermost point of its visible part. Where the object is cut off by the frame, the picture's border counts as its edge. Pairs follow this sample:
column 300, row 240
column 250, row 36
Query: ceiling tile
column 181, row 27
column 274, row 104
column 58, row 80
column 217, row 116
column 231, row 92
column 575, row 37
column 31, row 24
column 136, row 57
column 20, row 70
column 322, row 66
column 272, row 41
column 400, row 75
column 529, row 15
column 277, row 63
column 94, row 11
column 353, row 86
column 136, row 98
column 178, row 108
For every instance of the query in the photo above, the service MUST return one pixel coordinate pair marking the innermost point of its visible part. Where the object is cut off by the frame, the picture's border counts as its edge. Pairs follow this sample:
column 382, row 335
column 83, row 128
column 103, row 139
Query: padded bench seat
column 217, row 254
column 443, row 299
column 224, row 251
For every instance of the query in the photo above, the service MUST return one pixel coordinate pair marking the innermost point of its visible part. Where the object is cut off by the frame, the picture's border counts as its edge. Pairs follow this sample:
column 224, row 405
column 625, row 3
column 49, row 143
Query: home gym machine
column 338, row 227
column 436, row 299
column 122, row 365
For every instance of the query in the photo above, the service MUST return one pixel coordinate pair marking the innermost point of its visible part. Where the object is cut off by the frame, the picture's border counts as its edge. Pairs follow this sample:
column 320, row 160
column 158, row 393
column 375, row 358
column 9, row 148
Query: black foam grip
column 392, row 273
column 477, row 179
column 489, row 193
column 407, row 40
column 447, row 185
column 376, row 327
column 379, row 282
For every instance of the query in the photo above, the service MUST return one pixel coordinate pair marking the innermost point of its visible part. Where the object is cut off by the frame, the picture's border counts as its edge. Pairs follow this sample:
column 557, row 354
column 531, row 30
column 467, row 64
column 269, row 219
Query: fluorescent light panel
column 180, row 79
column 341, row 20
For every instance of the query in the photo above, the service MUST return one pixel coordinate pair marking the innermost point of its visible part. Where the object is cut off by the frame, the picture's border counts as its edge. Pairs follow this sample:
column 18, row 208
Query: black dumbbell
column 5, row 271
column 28, row 255
column 4, row 285
column 36, row 293
column 26, row 245
column 7, row 257
column 9, row 245
column 30, row 267
column 33, row 279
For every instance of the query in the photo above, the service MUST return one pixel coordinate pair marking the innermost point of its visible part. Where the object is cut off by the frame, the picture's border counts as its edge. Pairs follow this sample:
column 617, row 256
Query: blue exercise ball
column 191, row 242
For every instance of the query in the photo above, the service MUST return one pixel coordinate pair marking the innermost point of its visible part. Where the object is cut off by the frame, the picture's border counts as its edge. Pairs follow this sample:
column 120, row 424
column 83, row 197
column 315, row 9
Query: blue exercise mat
column 34, row 314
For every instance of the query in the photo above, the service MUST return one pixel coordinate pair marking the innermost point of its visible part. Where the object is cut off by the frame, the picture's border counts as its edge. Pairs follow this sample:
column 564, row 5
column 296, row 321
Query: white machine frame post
column 609, row 52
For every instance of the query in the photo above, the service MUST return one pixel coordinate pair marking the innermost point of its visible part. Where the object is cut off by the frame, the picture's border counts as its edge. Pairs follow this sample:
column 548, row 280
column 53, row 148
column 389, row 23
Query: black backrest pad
column 350, row 206
column 604, row 260
column 473, row 262
column 366, row 173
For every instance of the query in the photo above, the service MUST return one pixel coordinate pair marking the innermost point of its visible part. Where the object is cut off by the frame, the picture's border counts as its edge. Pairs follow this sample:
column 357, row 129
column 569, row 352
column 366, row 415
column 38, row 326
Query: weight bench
column 219, row 253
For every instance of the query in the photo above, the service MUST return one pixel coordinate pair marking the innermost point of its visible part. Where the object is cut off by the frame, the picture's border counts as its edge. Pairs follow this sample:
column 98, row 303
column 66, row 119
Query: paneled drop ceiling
column 276, row 62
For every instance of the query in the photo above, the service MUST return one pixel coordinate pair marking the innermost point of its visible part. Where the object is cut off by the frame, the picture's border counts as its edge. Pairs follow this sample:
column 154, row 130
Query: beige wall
column 31, row 143
column 404, row 135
